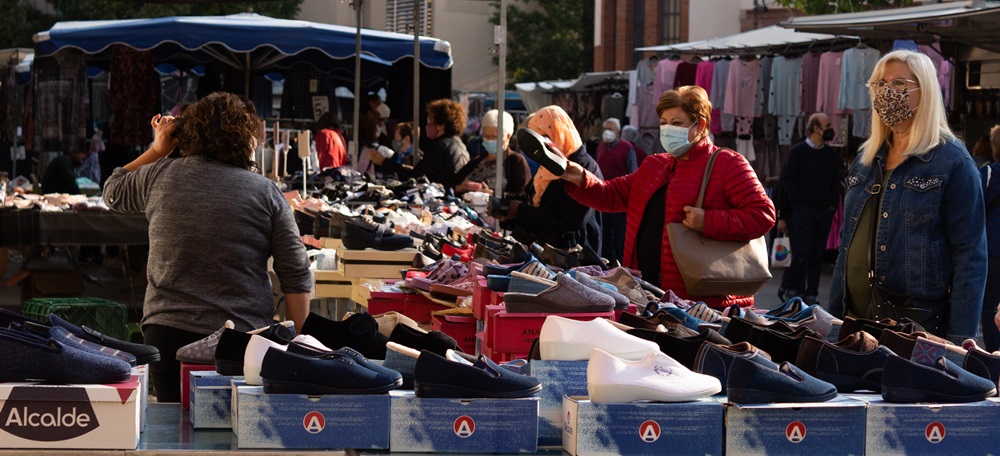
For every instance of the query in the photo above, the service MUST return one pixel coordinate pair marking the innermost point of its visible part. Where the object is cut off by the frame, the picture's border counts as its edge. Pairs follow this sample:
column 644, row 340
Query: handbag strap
column 876, row 190
column 704, row 180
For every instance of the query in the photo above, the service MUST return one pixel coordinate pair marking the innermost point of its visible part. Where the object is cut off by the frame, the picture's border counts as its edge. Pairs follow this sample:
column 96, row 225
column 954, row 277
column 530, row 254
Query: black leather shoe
column 359, row 234
column 232, row 347
column 437, row 376
column 359, row 331
column 144, row 354
column 539, row 149
column 908, row 382
column 434, row 341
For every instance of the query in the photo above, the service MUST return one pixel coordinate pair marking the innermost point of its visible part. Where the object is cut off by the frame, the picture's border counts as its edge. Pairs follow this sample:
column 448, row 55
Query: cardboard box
column 931, row 428
column 142, row 374
column 211, row 400
column 70, row 416
column 185, row 380
column 559, row 379
column 833, row 427
column 642, row 428
column 374, row 263
column 460, row 328
column 439, row 425
column 309, row 422
column 333, row 284
column 331, row 243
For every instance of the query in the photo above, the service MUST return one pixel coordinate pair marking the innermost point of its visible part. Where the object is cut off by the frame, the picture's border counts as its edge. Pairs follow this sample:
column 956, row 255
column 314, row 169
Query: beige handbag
column 717, row 268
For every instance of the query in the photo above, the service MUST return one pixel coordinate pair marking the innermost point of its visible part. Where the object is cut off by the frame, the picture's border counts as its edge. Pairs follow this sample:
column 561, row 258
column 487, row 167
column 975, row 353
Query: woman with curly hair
column 213, row 225
column 444, row 154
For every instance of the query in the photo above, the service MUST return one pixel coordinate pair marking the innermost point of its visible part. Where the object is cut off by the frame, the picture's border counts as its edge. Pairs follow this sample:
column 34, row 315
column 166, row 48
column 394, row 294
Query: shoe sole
column 533, row 145
column 849, row 383
column 228, row 367
column 290, row 387
column 453, row 391
column 609, row 394
column 148, row 359
column 563, row 351
column 756, row 396
column 913, row 395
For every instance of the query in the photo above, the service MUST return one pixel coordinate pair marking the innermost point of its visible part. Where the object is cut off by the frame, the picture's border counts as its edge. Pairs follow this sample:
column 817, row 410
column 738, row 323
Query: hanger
column 861, row 44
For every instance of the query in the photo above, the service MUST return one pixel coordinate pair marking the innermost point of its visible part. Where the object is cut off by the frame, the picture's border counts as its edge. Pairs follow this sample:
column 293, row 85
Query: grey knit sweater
column 212, row 228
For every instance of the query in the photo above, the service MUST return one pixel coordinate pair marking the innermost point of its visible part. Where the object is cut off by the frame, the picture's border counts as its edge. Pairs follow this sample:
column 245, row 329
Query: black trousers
column 165, row 374
column 808, row 233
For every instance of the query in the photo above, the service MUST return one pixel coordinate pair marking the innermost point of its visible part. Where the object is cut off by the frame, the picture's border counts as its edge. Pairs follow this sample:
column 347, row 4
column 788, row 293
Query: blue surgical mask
column 674, row 139
column 490, row 145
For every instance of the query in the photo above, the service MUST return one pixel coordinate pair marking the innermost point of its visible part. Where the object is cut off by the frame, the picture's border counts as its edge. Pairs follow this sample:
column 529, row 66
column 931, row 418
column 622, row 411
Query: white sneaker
column 656, row 377
column 254, row 357
column 571, row 340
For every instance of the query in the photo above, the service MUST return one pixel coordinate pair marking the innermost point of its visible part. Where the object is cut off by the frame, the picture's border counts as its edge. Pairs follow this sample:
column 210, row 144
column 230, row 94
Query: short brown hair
column 448, row 114
column 405, row 130
column 220, row 127
column 692, row 99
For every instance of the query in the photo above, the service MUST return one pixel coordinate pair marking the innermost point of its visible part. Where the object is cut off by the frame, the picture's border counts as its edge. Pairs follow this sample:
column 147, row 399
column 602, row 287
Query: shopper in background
column 549, row 215
column 213, row 225
column 402, row 144
column 330, row 145
column 60, row 174
column 982, row 151
column 481, row 172
column 443, row 153
column 631, row 134
column 617, row 157
column 810, row 179
column 914, row 205
column 736, row 208
column 990, row 173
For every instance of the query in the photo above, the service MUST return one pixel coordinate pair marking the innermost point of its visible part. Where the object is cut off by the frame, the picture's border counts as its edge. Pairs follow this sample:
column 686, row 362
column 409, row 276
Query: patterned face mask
column 892, row 106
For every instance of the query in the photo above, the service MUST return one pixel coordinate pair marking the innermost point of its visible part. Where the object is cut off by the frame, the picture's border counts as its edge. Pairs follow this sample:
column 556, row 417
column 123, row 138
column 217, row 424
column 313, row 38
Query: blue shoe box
column 931, row 428
column 287, row 421
column 211, row 400
column 559, row 379
column 442, row 425
column 642, row 428
column 833, row 427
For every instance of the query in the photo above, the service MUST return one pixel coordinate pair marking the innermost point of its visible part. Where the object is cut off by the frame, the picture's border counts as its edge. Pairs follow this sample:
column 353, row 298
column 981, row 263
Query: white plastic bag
column 781, row 252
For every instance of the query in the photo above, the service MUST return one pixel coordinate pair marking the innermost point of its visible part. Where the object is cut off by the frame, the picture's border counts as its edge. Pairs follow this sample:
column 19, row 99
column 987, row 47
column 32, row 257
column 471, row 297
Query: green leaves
column 816, row 7
column 548, row 39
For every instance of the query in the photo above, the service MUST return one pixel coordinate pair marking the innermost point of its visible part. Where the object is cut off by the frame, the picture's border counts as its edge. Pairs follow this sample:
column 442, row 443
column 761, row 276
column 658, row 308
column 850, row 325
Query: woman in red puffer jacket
column 664, row 190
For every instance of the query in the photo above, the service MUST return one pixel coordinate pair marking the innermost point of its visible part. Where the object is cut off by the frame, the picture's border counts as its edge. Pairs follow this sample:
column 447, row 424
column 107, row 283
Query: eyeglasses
column 896, row 84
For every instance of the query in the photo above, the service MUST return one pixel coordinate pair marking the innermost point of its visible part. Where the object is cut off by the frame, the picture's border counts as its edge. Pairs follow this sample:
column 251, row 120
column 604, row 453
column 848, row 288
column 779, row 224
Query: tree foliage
column 20, row 20
column 814, row 7
column 548, row 39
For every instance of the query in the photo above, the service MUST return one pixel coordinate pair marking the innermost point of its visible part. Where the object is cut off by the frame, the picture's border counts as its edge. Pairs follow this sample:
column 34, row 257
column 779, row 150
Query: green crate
column 108, row 317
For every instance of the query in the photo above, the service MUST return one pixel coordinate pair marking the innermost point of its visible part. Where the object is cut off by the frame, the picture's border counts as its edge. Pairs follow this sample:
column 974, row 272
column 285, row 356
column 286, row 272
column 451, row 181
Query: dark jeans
column 165, row 374
column 613, row 234
column 808, row 233
column 991, row 336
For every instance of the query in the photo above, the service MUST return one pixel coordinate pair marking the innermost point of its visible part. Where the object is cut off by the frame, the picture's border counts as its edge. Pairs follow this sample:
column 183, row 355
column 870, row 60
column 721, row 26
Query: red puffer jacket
column 736, row 207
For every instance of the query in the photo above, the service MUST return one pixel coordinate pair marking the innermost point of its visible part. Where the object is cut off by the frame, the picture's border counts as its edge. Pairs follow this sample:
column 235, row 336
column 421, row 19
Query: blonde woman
column 913, row 212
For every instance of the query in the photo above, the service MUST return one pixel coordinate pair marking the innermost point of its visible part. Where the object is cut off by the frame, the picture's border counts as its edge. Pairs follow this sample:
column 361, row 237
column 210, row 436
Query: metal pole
column 416, row 77
column 357, row 81
column 501, row 41
column 246, row 77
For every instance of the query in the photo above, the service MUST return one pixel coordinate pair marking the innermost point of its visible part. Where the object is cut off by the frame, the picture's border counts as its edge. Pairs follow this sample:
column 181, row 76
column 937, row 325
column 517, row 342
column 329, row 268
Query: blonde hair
column 930, row 125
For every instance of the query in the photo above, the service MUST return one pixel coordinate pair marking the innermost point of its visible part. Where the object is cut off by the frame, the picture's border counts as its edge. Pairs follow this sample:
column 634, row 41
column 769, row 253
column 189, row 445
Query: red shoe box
column 462, row 329
column 415, row 306
column 186, row 370
column 419, row 308
column 480, row 299
column 377, row 306
column 514, row 332
column 632, row 309
column 502, row 357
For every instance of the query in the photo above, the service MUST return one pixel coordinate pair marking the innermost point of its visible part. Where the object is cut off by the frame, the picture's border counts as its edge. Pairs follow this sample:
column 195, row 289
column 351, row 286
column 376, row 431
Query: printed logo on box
column 26, row 416
column 649, row 431
column 934, row 432
column 566, row 424
column 314, row 422
column 795, row 432
column 464, row 426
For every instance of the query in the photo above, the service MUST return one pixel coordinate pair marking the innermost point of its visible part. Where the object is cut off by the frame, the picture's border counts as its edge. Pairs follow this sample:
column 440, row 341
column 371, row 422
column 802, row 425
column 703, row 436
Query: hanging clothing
column 943, row 67
column 905, row 45
column 720, row 75
column 666, row 74
column 614, row 106
column 785, row 91
column 60, row 90
column 855, row 70
column 741, row 88
column 763, row 87
column 686, row 74
column 703, row 76
column 133, row 86
column 828, row 89
column 810, row 78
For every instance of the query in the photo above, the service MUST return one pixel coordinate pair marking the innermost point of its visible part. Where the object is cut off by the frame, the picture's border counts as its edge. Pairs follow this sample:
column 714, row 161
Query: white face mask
column 609, row 136
column 674, row 139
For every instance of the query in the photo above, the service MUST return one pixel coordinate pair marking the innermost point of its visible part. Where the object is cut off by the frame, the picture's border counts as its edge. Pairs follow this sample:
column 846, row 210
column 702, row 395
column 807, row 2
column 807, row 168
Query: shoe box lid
column 836, row 426
column 402, row 256
column 968, row 428
column 637, row 428
column 445, row 425
column 211, row 399
column 34, row 415
column 358, row 421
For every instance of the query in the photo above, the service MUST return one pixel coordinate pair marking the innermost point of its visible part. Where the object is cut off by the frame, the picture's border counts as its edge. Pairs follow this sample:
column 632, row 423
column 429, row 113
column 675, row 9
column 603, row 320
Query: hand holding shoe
column 575, row 174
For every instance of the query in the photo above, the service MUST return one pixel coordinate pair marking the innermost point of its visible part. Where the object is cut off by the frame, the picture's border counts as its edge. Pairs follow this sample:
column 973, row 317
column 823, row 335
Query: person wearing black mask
column 810, row 178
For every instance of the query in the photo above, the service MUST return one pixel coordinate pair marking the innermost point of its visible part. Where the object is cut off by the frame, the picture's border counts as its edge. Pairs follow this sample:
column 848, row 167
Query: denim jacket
column 931, row 234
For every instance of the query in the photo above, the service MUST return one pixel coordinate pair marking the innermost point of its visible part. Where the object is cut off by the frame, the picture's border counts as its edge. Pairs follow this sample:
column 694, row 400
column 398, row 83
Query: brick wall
column 618, row 33
column 773, row 16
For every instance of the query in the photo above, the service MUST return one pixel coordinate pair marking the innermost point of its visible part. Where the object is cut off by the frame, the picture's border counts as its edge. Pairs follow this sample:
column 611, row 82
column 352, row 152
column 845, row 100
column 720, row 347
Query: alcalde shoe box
column 833, row 427
column 641, row 428
column 185, row 380
column 309, row 422
column 442, row 425
column 559, row 379
column 931, row 428
column 211, row 400
column 70, row 416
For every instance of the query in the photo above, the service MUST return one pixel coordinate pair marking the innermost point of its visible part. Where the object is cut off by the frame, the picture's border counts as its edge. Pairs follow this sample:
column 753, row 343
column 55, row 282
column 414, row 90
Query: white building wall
column 715, row 18
column 466, row 25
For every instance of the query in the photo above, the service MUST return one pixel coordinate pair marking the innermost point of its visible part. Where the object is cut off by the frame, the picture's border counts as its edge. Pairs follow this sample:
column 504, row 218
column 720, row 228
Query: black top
column 443, row 157
column 59, row 176
column 812, row 176
column 649, row 238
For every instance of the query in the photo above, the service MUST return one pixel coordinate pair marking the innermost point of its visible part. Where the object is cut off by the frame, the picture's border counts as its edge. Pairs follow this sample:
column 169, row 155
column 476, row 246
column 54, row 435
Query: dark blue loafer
column 332, row 373
column 908, row 382
column 764, row 383
column 438, row 376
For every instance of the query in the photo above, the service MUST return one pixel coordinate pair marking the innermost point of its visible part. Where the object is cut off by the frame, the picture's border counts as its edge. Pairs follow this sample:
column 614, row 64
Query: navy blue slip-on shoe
column 308, row 350
column 539, row 149
column 333, row 373
column 981, row 362
column 28, row 357
column 755, row 382
column 231, row 351
column 435, row 341
column 716, row 360
column 359, row 331
column 499, row 283
column 682, row 349
column 853, row 364
column 437, row 376
column 7, row 317
column 144, row 354
column 63, row 336
column 908, row 382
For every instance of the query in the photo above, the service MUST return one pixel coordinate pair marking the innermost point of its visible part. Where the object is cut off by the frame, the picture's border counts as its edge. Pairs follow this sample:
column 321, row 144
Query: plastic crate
column 108, row 317
column 460, row 328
